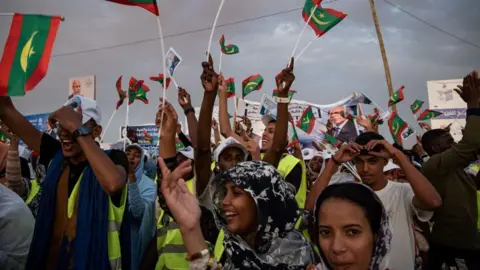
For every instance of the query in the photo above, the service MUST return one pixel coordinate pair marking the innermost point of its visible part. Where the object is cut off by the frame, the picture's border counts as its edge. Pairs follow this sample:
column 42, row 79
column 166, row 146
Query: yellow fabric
column 33, row 191
column 478, row 210
column 219, row 248
column 115, row 217
column 170, row 246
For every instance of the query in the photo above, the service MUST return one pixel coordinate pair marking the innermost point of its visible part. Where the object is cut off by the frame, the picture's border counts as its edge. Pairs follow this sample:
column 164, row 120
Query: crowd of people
column 243, row 202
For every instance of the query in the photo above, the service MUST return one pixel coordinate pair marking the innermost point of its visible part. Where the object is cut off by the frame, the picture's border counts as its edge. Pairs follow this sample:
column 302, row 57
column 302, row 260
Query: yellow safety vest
column 170, row 246
column 34, row 189
column 286, row 165
column 115, row 217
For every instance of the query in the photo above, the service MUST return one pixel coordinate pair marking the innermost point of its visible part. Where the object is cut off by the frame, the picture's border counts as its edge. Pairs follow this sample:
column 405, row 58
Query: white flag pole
column 108, row 125
column 164, row 66
column 303, row 30
column 220, row 62
column 306, row 47
column 213, row 28
column 126, row 121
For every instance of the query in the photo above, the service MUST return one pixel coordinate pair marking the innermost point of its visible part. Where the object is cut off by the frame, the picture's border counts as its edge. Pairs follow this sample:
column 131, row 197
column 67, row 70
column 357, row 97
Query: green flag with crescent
column 322, row 19
column 252, row 83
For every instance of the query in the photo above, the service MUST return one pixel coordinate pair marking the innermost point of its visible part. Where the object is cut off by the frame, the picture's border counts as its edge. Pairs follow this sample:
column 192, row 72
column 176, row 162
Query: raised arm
column 203, row 153
column 225, row 128
column 167, row 148
column 216, row 132
column 111, row 177
column 284, row 82
column 18, row 125
column 186, row 103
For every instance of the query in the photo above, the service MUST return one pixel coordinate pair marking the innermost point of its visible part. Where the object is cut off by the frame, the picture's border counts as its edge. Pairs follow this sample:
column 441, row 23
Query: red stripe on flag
column 336, row 13
column 153, row 8
column 11, row 47
column 39, row 73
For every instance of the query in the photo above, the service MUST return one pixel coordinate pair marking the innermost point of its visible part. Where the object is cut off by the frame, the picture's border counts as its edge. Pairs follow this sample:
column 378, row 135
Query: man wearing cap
column 83, row 194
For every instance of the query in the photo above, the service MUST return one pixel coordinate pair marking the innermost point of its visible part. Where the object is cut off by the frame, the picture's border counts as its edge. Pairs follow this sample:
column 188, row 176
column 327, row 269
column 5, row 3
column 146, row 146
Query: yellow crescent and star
column 251, row 86
column 318, row 18
column 27, row 52
column 396, row 127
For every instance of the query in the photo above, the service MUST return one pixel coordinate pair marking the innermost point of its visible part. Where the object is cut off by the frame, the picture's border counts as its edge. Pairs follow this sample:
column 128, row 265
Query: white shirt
column 16, row 230
column 397, row 198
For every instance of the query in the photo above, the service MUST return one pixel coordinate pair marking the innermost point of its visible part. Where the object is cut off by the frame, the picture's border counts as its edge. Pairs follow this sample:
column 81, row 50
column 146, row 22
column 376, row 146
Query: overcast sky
column 345, row 60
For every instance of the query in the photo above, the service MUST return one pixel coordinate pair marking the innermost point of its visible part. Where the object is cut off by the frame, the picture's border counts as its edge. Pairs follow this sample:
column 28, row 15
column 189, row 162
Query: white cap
column 228, row 143
column 90, row 108
column 120, row 144
column 188, row 152
column 267, row 118
column 390, row 166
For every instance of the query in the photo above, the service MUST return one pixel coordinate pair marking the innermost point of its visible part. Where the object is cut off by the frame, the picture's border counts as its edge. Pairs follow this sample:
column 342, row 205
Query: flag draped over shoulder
column 323, row 19
column 396, row 97
column 161, row 79
column 307, row 121
column 398, row 128
column 27, row 52
column 416, row 106
column 428, row 114
column 122, row 95
column 137, row 90
column 251, row 84
column 228, row 49
column 150, row 5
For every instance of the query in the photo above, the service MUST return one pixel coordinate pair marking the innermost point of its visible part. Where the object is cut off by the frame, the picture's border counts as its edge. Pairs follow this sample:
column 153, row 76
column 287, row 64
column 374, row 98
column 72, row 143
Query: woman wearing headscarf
column 141, row 195
column 257, row 210
column 351, row 229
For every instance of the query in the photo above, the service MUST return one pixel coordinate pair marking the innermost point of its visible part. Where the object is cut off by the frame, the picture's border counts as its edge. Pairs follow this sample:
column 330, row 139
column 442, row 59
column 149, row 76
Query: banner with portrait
column 83, row 86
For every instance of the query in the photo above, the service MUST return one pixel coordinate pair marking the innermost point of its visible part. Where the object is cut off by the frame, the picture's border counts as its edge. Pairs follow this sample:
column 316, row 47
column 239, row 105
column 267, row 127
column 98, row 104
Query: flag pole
column 306, row 47
column 164, row 66
column 126, row 122
column 62, row 18
column 220, row 62
column 213, row 28
column 108, row 125
column 303, row 30
column 383, row 52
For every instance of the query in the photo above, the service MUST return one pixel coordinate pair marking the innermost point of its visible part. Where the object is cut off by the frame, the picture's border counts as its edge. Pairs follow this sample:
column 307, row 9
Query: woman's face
column 134, row 155
column 316, row 164
column 240, row 210
column 344, row 235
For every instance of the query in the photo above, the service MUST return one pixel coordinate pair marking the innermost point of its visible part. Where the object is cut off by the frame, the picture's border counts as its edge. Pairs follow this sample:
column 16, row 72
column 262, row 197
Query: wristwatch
column 282, row 100
column 81, row 131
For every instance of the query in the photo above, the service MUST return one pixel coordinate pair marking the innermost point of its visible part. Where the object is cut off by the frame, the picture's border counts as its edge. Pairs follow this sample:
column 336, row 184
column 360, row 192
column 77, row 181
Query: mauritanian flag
column 295, row 138
column 3, row 137
column 428, row 114
column 290, row 93
column 27, row 53
column 230, row 87
column 228, row 49
column 251, row 84
column 397, row 127
column 122, row 95
column 147, row 137
column 307, row 120
column 323, row 19
column 178, row 144
column 150, row 5
column 161, row 79
column 397, row 97
column 137, row 90
column 416, row 106
column 332, row 140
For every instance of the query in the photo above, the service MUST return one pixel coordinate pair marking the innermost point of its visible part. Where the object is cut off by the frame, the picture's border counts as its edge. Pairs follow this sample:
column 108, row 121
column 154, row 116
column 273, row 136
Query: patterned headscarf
column 383, row 237
column 277, row 246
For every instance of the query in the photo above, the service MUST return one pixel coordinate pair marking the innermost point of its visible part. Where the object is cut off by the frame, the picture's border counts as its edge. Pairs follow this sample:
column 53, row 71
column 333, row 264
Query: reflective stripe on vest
column 170, row 246
column 35, row 188
column 115, row 217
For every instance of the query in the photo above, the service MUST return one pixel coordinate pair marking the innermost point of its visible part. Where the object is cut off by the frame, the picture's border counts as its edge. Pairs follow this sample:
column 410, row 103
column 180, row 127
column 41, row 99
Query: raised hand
column 182, row 204
column 222, row 85
column 387, row 151
column 214, row 124
column 184, row 99
column 366, row 123
column 470, row 91
column 209, row 78
column 285, row 79
column 347, row 152
column 67, row 118
column 170, row 118
column 251, row 145
column 12, row 137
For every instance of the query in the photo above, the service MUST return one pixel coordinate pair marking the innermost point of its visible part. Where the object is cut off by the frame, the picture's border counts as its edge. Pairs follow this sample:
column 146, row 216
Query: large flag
column 150, row 5
column 228, row 49
column 323, row 19
column 398, row 128
column 161, row 79
column 230, row 87
column 397, row 97
column 137, row 91
column 122, row 95
column 290, row 93
column 27, row 53
column 416, row 106
column 251, row 84
column 307, row 121
column 428, row 114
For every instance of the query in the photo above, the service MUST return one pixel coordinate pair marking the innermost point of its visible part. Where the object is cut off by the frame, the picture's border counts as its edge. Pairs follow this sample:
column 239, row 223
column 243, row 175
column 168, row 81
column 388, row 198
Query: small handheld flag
column 321, row 19
column 230, row 87
column 137, row 91
column 307, row 120
column 398, row 128
column 228, row 49
column 251, row 84
column 428, row 114
column 416, row 106
column 150, row 5
column 161, row 79
column 122, row 95
column 397, row 97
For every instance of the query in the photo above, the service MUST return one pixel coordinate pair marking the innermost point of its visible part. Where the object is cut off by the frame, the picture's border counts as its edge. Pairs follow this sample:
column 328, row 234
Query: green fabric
column 428, row 114
column 323, row 19
column 396, row 97
column 416, row 106
column 397, row 126
column 251, row 84
column 307, row 121
column 228, row 49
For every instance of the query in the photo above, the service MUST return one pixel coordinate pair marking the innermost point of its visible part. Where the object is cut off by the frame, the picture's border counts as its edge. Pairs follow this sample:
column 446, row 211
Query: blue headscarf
column 89, row 249
column 142, row 195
